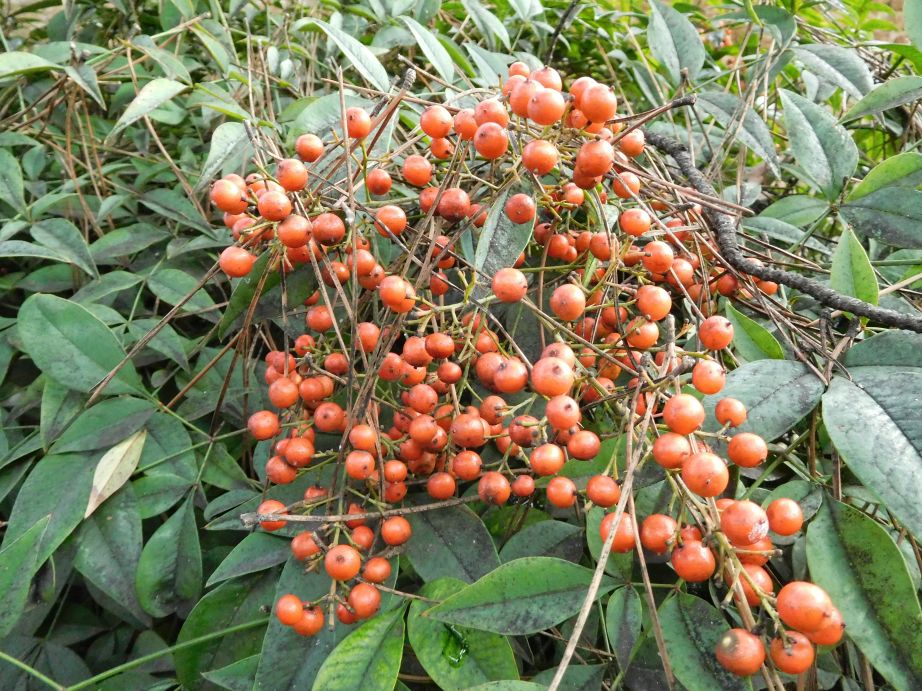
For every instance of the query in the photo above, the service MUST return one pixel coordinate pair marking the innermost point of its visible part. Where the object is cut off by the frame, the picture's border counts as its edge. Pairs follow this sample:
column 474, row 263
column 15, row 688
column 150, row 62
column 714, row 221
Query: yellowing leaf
column 114, row 469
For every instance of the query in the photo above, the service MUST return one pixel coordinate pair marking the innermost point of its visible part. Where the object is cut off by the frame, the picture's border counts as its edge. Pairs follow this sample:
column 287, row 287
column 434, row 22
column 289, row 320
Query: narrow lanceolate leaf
column 368, row 658
column 851, row 272
column 169, row 577
column 85, row 349
column 875, row 417
column 432, row 48
column 11, row 185
column 691, row 629
column 728, row 109
column 822, row 147
column 151, row 96
column 456, row 657
column 18, row 564
column 63, row 237
column 362, row 59
column 674, row 42
column 854, row 559
column 16, row 63
column 752, row 340
column 892, row 93
column 837, row 65
column 227, row 142
column 255, row 552
column 623, row 619
column 451, row 542
column 521, row 597
column 903, row 171
column 777, row 395
column 114, row 469
column 501, row 241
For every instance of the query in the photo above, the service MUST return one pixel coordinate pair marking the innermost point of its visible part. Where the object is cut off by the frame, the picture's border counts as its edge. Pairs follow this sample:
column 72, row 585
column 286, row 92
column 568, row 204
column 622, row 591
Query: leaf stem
column 48, row 681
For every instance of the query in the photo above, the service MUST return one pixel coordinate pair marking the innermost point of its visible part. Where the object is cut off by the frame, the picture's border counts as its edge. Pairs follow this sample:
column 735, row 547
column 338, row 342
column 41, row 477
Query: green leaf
column 172, row 286
column 368, row 658
column 158, row 493
column 358, row 55
column 674, row 42
column 451, row 542
column 151, row 96
column 903, row 171
column 509, row 685
column 893, row 215
column 109, row 547
column 837, row 65
column 912, row 21
column 858, row 564
column 84, row 349
column 169, row 575
column 577, row 677
column 18, row 564
column 15, row 63
column 691, row 629
column 545, row 539
column 278, row 668
column 777, row 395
column 821, row 146
column 434, row 51
column 114, row 469
column 57, row 486
column 62, row 236
column 872, row 418
column 726, row 109
column 892, row 93
column 894, row 348
column 245, row 291
column 21, row 248
column 778, row 229
column 456, row 657
column 255, row 552
column 488, row 23
column 501, row 241
column 623, row 618
column 60, row 406
column 237, row 676
column 521, row 597
column 176, row 207
column 104, row 425
column 231, row 604
column 751, row 340
column 11, row 186
column 228, row 141
column 851, row 272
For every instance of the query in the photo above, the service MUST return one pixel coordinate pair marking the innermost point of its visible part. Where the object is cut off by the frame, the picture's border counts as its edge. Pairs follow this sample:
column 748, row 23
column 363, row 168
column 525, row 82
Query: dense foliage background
column 124, row 563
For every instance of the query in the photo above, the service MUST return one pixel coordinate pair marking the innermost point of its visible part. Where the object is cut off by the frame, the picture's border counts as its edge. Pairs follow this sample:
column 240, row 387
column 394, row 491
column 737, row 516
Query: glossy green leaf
column 501, row 241
column 875, row 417
column 255, row 552
column 228, row 142
column 451, row 542
column 109, row 547
column 159, row 493
column 727, row 109
column 903, row 171
column 854, row 559
column 674, row 42
column 751, row 340
column 894, row 92
column 151, row 96
column 368, row 658
column 237, row 676
column 21, row 248
column 105, row 424
column 851, row 272
column 623, row 619
column 777, row 395
column 577, row 677
column 895, row 348
column 18, row 564
column 59, row 486
column 11, row 185
column 838, row 65
column 231, row 604
column 169, row 575
column 453, row 656
column 432, row 48
column 63, row 237
column 893, row 215
column 822, row 147
column 362, row 59
column 520, row 597
column 85, row 350
column 691, row 629
column 545, row 539
column 797, row 210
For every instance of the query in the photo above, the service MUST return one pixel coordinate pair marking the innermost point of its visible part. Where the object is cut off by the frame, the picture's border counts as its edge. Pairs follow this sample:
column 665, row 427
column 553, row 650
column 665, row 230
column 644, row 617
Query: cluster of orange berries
column 426, row 424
